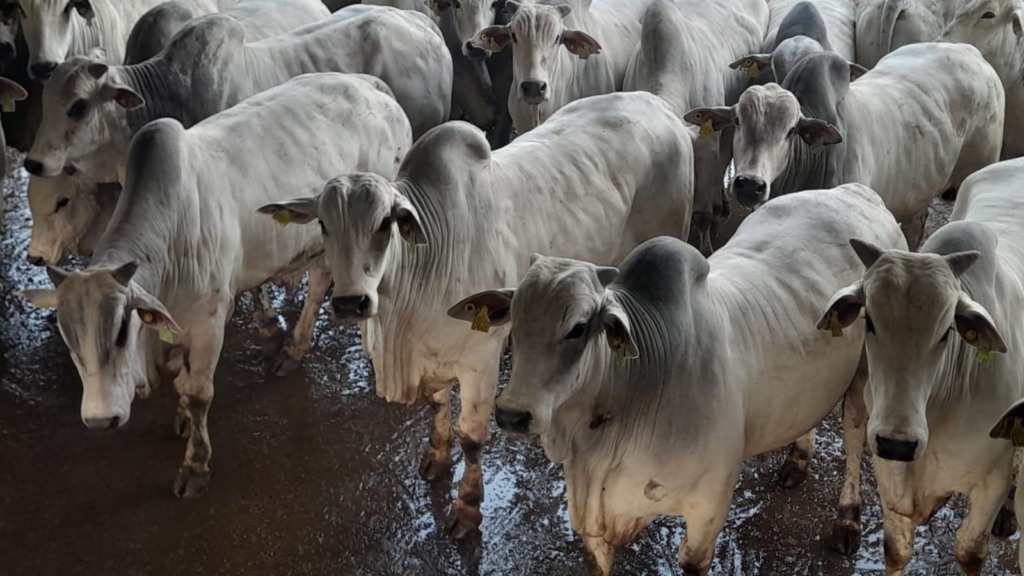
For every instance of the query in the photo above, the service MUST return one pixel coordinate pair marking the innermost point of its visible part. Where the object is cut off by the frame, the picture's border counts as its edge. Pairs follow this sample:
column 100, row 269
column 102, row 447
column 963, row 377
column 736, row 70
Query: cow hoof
column 845, row 537
column 273, row 341
column 792, row 474
column 285, row 364
column 464, row 522
column 190, row 484
column 433, row 470
column 1006, row 524
column 182, row 426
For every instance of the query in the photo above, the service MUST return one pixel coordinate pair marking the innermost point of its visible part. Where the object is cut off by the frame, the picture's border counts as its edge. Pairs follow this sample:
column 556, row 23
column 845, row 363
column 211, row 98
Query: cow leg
column 972, row 536
column 913, row 229
column 267, row 324
column 476, row 393
column 898, row 540
column 182, row 420
column 437, row 460
column 1006, row 522
column 846, row 530
column 601, row 552
column 794, row 470
column 302, row 338
column 703, row 525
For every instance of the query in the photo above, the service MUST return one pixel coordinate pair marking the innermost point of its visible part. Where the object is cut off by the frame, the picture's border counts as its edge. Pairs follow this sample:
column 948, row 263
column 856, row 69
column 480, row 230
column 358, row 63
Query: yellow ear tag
column 166, row 336
column 707, row 130
column 983, row 357
column 620, row 354
column 491, row 44
column 833, row 324
column 482, row 321
column 583, row 53
column 147, row 317
column 753, row 70
column 7, row 105
column 283, row 217
column 432, row 4
column 970, row 335
column 1017, row 433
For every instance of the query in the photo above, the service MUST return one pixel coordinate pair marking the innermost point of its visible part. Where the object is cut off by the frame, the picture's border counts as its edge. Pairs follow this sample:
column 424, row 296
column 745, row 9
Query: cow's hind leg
column 476, row 393
column 972, row 536
column 302, row 338
column 794, row 470
column 437, row 460
column 602, row 553
column 268, row 324
column 846, row 530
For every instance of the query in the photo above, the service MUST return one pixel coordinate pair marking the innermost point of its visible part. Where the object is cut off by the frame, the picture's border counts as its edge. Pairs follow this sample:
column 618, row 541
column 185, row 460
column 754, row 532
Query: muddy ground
column 312, row 474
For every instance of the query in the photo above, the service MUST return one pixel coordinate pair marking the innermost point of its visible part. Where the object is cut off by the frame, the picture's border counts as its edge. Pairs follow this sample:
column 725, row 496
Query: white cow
column 684, row 50
column 471, row 219
column 885, row 25
column 902, row 129
column 208, row 67
column 58, row 29
column 996, row 27
column 707, row 361
column 69, row 215
column 598, row 36
column 939, row 323
column 186, row 238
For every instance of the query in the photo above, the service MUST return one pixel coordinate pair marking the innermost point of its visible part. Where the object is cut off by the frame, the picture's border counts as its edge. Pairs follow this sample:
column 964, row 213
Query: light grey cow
column 185, row 239
column 819, row 129
column 682, row 56
column 885, row 25
column 945, row 348
column 57, row 29
column 84, row 119
column 470, row 219
column 651, row 384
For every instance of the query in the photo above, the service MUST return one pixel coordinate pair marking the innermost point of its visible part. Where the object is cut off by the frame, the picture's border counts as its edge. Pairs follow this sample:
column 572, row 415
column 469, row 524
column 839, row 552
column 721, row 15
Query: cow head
column 767, row 119
column 361, row 217
column 914, row 308
column 536, row 32
column 472, row 16
column 560, row 313
column 10, row 24
column 64, row 212
column 78, row 111
column 992, row 26
column 100, row 315
column 48, row 27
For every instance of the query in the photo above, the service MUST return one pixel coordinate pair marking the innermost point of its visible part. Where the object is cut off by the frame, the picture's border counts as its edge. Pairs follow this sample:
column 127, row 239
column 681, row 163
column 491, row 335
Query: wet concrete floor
column 314, row 475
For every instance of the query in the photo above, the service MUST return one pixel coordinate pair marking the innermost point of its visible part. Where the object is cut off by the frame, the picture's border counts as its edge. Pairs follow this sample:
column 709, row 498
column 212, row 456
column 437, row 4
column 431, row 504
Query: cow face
column 78, row 112
column 48, row 26
column 10, row 24
column 361, row 217
column 536, row 32
column 100, row 314
column 559, row 314
column 914, row 309
column 993, row 26
column 767, row 120
column 470, row 17
column 63, row 212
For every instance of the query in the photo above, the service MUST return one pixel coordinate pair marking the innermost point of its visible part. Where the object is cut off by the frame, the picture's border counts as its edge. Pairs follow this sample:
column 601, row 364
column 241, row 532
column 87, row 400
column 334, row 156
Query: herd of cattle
column 184, row 146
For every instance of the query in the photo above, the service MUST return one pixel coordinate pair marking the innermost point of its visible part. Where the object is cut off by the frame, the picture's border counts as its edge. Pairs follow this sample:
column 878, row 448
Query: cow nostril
column 34, row 166
column 517, row 421
column 102, row 423
column 898, row 450
column 346, row 307
column 42, row 70
column 35, row 260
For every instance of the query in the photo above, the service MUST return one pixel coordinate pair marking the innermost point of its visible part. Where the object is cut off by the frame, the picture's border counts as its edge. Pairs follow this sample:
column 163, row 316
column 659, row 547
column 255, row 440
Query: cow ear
column 535, row 257
column 301, row 211
column 753, row 65
column 408, row 221
column 606, row 275
column 492, row 39
column 563, row 10
column 1018, row 22
column 975, row 325
column 581, row 44
column 497, row 302
column 124, row 273
column 843, row 309
column 856, row 71
column 866, row 251
column 152, row 312
column 617, row 329
column 1005, row 424
column 40, row 297
column 84, row 9
column 512, row 6
column 98, row 69
column 817, row 132
column 57, row 275
column 960, row 262
column 11, row 90
column 127, row 98
column 720, row 117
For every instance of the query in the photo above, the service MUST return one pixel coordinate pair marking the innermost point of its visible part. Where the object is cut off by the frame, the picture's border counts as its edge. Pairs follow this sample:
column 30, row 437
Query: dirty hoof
column 949, row 194
column 432, row 470
column 182, row 426
column 792, row 474
column 1006, row 523
column 464, row 521
column 845, row 537
column 273, row 342
column 285, row 364
column 190, row 484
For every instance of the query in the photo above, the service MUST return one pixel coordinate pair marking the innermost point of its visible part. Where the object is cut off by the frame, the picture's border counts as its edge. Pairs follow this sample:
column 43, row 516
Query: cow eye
column 385, row 225
column 77, row 110
column 458, row 5
column 323, row 229
column 869, row 325
column 122, row 334
column 792, row 132
column 577, row 331
column 61, row 204
column 988, row 15
column 558, row 40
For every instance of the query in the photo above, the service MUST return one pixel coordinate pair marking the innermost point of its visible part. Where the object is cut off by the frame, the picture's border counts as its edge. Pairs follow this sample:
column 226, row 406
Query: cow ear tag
column 7, row 105
column 283, row 217
column 983, row 358
column 432, row 4
column 165, row 335
column 753, row 70
column 707, row 130
column 1017, row 433
column 492, row 46
column 583, row 54
column 833, row 324
column 482, row 321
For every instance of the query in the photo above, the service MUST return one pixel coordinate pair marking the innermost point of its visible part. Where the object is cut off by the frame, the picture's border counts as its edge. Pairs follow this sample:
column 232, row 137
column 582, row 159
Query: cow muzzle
column 750, row 191
column 514, row 421
column 533, row 92
column 110, row 423
column 41, row 71
column 896, row 449
column 353, row 307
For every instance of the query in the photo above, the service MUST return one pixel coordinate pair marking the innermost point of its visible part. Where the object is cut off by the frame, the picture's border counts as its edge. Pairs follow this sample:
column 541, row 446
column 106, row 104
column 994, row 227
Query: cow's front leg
column 704, row 523
column 898, row 540
column 972, row 537
column 794, row 470
column 268, row 324
column 302, row 338
column 601, row 552
column 476, row 393
column 437, row 460
column 846, row 530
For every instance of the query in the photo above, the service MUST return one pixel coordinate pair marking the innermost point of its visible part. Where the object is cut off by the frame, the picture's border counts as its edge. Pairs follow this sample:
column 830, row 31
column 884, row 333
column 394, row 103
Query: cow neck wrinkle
column 958, row 371
column 814, row 171
column 149, row 80
column 432, row 261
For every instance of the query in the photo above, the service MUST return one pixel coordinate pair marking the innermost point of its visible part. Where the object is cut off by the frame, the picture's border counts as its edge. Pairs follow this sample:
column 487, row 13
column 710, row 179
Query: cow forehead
column 768, row 102
column 88, row 303
column 909, row 285
column 356, row 197
column 70, row 81
column 537, row 19
column 554, row 292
